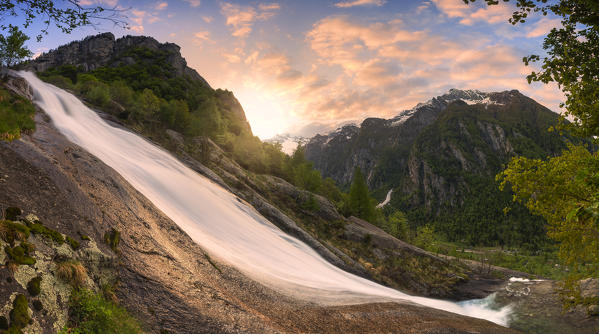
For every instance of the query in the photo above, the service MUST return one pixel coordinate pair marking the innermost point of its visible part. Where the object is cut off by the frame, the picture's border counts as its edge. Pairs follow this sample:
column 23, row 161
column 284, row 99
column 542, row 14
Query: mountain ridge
column 435, row 154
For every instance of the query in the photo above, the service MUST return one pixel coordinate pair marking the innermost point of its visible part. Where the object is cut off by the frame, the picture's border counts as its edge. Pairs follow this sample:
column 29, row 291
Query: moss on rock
column 47, row 233
column 19, row 315
column 33, row 286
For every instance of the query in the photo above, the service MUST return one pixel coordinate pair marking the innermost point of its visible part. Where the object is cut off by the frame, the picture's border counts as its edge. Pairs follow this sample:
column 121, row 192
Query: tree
column 565, row 189
column 360, row 204
column 397, row 225
column 12, row 49
column 571, row 60
column 64, row 14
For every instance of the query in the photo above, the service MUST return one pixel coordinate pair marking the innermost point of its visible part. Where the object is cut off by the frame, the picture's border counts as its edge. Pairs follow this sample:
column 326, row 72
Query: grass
column 72, row 272
column 12, row 231
column 16, row 115
column 544, row 263
column 92, row 313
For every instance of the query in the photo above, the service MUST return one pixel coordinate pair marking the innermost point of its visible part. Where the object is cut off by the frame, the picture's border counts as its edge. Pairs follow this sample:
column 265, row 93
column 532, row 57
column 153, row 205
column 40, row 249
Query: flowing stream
column 227, row 228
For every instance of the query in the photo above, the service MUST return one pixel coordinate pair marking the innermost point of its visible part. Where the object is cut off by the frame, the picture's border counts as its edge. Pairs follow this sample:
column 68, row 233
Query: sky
column 308, row 66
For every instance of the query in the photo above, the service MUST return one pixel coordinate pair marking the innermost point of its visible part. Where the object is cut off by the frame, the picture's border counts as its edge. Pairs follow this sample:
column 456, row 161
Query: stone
column 593, row 310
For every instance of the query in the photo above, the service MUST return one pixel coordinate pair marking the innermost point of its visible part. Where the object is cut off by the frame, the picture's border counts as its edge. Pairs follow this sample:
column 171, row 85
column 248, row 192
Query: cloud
column 194, row 3
column 242, row 18
column 543, row 26
column 161, row 5
column 201, row 37
column 469, row 14
column 207, row 19
column 107, row 3
column 353, row 3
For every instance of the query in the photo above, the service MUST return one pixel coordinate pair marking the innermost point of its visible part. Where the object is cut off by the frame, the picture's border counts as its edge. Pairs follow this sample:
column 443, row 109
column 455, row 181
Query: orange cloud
column 242, row 18
column 470, row 14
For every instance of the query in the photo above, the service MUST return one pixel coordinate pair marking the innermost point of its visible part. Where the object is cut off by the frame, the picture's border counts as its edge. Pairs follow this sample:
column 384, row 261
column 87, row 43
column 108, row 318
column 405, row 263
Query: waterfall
column 225, row 227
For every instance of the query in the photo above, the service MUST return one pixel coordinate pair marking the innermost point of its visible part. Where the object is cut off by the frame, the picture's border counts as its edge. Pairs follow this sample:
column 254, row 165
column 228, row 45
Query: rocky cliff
column 104, row 50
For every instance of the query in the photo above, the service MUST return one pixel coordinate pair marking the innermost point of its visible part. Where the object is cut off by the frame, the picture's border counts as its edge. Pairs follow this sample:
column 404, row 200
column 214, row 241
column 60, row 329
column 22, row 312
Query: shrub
column 91, row 313
column 19, row 315
column 98, row 95
column 72, row 272
column 3, row 322
column 33, row 287
column 16, row 115
column 112, row 239
column 47, row 233
column 73, row 243
column 12, row 213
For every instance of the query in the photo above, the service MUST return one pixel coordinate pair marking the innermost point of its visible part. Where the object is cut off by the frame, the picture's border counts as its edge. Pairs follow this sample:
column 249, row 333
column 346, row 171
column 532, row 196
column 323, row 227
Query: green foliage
column 564, row 190
column 571, row 57
column 16, row 115
column 12, row 49
column 73, row 243
column 66, row 16
column 359, row 202
column 19, row 315
column 311, row 204
column 47, row 233
column 426, row 238
column 112, row 239
column 20, row 254
column 397, row 225
column 92, row 313
column 98, row 95
column 33, row 286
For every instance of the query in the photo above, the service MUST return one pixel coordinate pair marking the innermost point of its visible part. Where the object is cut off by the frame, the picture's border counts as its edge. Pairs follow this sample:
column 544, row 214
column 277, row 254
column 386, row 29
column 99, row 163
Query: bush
column 33, row 287
column 72, row 272
column 3, row 322
column 47, row 233
column 98, row 95
column 37, row 305
column 19, row 315
column 91, row 313
column 16, row 115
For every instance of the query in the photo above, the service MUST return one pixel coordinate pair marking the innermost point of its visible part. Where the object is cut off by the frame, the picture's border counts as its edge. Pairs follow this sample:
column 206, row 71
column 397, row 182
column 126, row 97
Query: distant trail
column 386, row 201
column 227, row 228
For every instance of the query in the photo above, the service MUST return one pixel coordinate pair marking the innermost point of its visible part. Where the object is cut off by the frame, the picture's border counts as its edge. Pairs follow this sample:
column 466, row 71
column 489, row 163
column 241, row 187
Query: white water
column 224, row 226
column 387, row 199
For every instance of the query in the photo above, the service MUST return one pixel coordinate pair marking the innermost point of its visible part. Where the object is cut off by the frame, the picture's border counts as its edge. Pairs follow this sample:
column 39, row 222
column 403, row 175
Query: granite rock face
column 102, row 50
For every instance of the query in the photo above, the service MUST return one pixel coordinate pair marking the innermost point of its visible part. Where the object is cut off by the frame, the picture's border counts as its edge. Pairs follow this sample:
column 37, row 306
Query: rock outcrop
column 104, row 50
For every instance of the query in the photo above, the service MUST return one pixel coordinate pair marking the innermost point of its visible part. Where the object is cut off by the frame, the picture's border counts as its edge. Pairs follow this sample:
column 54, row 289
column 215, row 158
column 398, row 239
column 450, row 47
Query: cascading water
column 214, row 218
